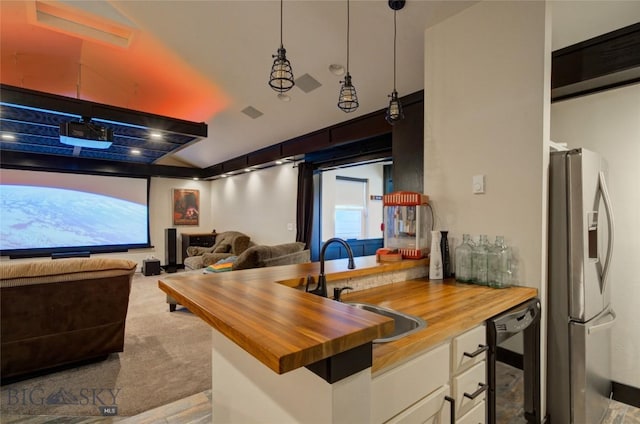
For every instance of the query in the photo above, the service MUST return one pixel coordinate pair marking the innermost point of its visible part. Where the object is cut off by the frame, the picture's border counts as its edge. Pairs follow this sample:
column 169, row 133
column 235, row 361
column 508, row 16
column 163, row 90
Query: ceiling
column 207, row 61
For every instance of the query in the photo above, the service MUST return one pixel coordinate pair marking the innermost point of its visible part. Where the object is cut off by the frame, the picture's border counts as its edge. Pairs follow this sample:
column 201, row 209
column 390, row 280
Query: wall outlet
column 290, row 226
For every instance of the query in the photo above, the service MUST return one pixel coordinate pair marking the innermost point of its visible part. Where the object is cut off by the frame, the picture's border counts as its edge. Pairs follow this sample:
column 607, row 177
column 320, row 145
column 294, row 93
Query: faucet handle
column 337, row 291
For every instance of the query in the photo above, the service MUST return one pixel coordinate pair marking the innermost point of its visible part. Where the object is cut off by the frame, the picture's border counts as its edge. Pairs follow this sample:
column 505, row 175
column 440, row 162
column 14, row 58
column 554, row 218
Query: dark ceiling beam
column 368, row 126
column 84, row 108
column 608, row 61
column 39, row 162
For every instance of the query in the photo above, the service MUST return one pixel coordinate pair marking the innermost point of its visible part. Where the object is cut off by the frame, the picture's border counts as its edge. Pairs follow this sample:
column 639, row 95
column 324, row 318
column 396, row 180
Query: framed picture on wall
column 186, row 206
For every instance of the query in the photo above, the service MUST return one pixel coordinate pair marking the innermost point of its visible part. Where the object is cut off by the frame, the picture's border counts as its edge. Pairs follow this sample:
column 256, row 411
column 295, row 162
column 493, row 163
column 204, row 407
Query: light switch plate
column 478, row 184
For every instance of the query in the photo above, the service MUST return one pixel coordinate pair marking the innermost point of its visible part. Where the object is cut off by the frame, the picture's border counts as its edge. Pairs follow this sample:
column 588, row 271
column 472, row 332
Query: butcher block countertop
column 286, row 328
column 450, row 308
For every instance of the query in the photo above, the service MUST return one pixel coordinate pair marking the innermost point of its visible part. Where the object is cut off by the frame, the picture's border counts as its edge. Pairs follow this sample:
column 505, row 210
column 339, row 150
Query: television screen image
column 46, row 212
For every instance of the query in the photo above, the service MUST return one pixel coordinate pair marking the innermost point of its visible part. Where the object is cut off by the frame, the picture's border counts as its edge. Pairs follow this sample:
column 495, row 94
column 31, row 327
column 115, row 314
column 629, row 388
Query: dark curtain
column 304, row 210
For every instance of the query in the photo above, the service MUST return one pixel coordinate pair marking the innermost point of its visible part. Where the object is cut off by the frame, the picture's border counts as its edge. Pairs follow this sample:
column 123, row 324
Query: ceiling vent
column 252, row 112
column 307, row 83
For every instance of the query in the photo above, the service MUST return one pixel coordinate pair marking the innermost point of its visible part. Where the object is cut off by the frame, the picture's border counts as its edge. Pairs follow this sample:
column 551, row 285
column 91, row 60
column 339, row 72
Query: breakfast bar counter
column 263, row 317
column 286, row 329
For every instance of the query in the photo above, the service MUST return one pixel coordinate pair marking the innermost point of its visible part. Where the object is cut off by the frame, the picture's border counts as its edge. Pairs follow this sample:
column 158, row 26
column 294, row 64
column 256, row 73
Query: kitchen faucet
column 321, row 288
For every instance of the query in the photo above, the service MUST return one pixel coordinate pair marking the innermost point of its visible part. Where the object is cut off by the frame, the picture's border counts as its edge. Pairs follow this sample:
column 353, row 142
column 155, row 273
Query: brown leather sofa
column 60, row 312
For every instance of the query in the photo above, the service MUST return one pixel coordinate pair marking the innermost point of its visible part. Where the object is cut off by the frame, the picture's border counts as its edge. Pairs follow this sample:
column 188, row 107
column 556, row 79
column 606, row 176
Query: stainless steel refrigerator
column 580, row 314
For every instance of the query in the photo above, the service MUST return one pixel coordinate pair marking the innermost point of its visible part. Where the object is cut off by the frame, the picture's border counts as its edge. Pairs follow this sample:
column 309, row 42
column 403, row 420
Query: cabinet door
column 477, row 415
column 432, row 409
column 397, row 389
column 468, row 349
column 470, row 382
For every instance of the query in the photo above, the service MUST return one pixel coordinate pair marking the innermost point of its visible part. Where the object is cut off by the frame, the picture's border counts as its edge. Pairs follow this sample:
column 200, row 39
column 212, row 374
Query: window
column 350, row 210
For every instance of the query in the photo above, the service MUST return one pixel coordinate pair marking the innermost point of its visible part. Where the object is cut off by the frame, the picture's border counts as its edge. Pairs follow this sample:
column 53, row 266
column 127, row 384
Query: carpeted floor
column 167, row 356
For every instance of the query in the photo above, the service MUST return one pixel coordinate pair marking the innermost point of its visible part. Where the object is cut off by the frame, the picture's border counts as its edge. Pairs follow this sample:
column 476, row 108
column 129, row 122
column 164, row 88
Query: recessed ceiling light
column 135, row 151
column 247, row 170
column 8, row 137
column 195, row 178
column 284, row 97
column 336, row 69
column 279, row 162
column 156, row 135
column 224, row 175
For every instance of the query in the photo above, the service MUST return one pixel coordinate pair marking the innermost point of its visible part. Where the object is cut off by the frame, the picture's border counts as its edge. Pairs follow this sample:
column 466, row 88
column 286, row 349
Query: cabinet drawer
column 477, row 415
column 471, row 343
column 431, row 409
column 401, row 387
column 469, row 382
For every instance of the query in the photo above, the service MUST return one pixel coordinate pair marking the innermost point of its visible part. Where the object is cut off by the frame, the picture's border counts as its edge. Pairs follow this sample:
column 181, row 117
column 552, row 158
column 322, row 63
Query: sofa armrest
column 199, row 250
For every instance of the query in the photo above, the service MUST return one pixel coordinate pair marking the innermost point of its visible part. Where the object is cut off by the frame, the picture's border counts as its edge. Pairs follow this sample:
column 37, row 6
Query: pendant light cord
column 347, row 37
column 281, row 45
column 395, row 12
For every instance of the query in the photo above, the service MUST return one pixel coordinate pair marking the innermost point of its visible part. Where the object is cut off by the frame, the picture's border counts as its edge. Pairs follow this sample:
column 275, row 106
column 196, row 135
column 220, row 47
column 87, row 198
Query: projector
column 86, row 134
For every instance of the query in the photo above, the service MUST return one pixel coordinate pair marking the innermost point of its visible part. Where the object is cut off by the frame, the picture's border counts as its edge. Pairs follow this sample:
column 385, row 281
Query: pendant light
column 281, row 78
column 394, row 111
column 348, row 100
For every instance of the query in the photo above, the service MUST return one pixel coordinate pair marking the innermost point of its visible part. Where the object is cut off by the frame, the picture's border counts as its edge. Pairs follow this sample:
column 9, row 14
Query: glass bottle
column 446, row 258
column 479, row 261
column 493, row 262
column 499, row 264
column 463, row 259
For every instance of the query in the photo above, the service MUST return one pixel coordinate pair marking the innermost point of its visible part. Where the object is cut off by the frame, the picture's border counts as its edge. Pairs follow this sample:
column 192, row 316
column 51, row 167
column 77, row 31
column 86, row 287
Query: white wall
column 161, row 209
column 609, row 123
column 371, row 172
column 487, row 84
column 261, row 204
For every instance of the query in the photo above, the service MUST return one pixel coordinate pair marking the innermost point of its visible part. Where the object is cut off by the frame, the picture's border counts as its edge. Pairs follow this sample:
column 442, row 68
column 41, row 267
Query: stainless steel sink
column 405, row 324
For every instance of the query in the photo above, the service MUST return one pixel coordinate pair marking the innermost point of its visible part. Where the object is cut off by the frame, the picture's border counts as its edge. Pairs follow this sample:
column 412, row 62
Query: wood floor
column 196, row 409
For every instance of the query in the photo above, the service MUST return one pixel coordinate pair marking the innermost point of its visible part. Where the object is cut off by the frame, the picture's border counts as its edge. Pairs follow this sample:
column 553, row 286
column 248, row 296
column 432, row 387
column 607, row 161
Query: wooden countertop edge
column 375, row 327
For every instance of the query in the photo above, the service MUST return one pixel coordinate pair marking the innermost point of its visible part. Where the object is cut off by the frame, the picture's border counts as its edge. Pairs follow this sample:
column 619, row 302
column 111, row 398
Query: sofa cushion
column 59, row 270
column 212, row 258
column 301, row 257
column 222, row 248
column 255, row 256
column 193, row 262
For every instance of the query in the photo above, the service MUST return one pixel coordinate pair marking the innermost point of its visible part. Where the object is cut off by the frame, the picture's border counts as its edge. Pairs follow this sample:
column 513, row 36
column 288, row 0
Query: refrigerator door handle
column 603, row 326
column 607, row 205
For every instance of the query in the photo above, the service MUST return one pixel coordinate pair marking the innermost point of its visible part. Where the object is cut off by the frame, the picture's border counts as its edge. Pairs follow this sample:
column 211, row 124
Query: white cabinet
column 415, row 391
column 401, row 387
column 433, row 409
column 469, row 375
column 477, row 415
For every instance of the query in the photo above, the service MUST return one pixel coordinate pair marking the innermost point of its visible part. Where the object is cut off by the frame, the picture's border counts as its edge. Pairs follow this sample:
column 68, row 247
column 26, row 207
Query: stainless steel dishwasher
column 525, row 319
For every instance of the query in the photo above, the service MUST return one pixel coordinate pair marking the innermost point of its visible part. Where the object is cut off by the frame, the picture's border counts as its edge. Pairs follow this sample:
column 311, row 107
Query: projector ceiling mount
column 86, row 134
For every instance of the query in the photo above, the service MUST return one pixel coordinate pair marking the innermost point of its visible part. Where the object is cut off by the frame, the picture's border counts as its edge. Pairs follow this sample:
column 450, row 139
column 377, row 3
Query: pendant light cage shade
column 348, row 100
column 281, row 78
column 394, row 111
